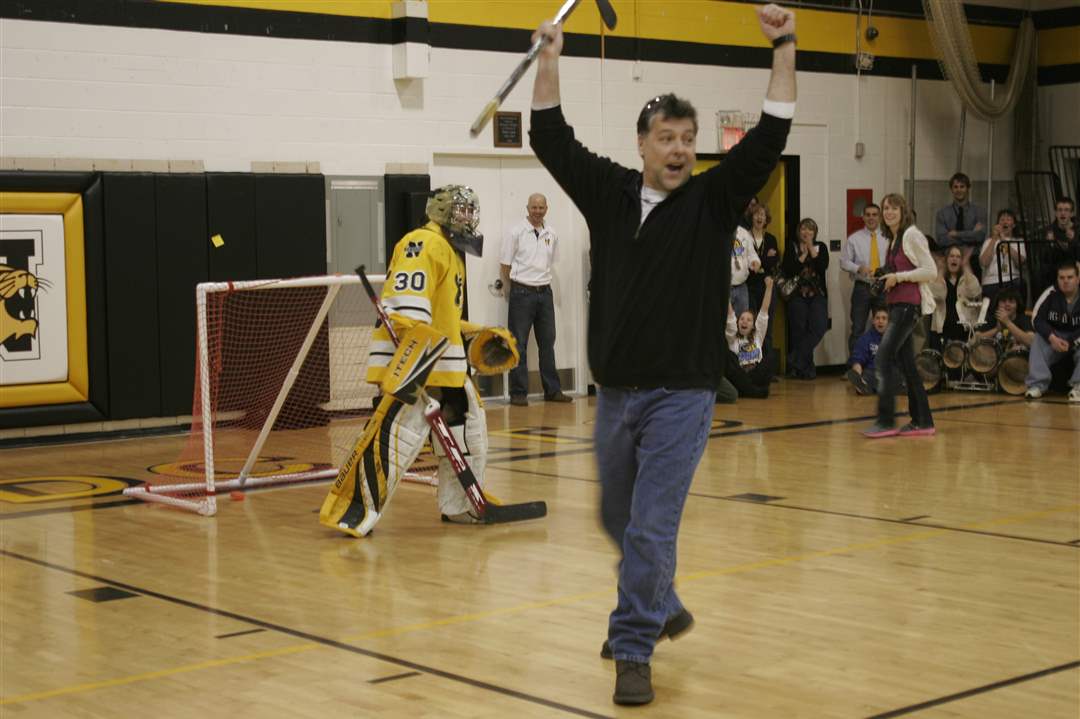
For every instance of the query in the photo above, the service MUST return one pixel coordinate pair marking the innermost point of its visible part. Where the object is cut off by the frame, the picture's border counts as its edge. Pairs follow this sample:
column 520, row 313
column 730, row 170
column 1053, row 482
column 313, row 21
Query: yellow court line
column 517, row 609
column 121, row 681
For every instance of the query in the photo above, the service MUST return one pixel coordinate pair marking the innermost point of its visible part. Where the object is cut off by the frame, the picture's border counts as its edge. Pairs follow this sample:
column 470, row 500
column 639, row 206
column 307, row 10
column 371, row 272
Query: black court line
column 864, row 418
column 1017, row 426
column 315, row 639
column 403, row 675
column 909, row 521
column 912, row 519
column 977, row 690
column 239, row 634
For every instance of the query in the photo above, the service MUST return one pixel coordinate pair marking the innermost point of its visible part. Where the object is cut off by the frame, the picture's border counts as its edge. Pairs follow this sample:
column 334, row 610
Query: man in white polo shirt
column 528, row 253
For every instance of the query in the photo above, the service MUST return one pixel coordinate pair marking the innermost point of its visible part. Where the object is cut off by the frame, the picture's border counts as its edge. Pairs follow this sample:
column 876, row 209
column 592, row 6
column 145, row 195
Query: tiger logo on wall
column 18, row 294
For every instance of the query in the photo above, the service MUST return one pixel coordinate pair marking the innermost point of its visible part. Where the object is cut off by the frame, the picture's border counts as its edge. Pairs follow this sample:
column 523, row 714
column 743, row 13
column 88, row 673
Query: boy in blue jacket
column 861, row 364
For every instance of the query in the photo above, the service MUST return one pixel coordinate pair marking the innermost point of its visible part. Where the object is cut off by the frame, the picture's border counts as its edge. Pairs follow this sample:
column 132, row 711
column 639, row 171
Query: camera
column 877, row 286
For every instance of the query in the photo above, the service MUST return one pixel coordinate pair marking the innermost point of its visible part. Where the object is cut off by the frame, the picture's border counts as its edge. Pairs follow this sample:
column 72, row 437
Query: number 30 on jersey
column 415, row 281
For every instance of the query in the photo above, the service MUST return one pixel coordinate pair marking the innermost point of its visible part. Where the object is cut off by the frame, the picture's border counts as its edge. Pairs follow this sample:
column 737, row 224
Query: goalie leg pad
column 388, row 446
column 419, row 349
column 471, row 436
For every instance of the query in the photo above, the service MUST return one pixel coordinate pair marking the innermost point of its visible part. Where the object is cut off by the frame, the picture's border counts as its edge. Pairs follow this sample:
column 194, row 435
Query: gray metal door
column 355, row 217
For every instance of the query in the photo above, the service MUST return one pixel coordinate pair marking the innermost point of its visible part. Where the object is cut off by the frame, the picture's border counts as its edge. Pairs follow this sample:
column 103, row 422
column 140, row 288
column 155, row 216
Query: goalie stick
column 489, row 512
column 607, row 14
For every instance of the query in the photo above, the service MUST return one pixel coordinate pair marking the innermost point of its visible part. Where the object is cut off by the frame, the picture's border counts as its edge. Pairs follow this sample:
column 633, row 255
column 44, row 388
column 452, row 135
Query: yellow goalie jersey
column 425, row 283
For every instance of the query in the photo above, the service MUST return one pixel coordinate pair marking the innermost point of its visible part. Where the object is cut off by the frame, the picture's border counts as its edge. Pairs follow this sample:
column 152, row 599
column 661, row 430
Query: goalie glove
column 493, row 350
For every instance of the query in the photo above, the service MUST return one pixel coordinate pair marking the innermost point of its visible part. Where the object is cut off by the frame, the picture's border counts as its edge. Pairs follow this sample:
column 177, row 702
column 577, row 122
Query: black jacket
column 658, row 293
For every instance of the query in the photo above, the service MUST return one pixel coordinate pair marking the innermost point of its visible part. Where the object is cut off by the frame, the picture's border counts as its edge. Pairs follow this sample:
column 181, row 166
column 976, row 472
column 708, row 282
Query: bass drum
column 984, row 355
column 1013, row 371
column 955, row 354
column 931, row 369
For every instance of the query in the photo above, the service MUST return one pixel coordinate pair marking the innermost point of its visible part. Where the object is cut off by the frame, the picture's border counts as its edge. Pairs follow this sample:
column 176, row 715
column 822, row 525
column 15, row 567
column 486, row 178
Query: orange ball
column 236, row 496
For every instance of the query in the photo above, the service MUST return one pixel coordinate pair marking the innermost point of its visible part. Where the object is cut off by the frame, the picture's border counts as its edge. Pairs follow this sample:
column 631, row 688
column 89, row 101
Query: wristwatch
column 783, row 40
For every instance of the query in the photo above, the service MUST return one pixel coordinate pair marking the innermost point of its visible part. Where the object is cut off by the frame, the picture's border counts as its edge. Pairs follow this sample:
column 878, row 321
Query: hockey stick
column 488, row 512
column 607, row 14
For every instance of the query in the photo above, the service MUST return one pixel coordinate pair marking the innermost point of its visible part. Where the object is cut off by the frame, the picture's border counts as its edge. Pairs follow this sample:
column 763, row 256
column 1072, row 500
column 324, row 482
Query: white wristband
column 783, row 110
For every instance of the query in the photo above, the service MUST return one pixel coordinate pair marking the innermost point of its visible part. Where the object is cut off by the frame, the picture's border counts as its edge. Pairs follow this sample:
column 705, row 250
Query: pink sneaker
column 911, row 430
column 879, row 430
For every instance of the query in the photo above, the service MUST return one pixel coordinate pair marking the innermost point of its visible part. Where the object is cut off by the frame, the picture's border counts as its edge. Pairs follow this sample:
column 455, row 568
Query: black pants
column 894, row 352
column 754, row 383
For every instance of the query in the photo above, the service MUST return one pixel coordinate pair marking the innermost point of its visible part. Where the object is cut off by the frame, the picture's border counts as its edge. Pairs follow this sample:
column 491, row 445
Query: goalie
column 423, row 296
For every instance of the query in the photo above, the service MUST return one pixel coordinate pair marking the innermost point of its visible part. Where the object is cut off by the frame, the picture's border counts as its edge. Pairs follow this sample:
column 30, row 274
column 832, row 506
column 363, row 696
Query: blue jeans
column 860, row 312
column 895, row 351
column 533, row 308
column 740, row 299
column 808, row 321
column 648, row 444
column 1042, row 357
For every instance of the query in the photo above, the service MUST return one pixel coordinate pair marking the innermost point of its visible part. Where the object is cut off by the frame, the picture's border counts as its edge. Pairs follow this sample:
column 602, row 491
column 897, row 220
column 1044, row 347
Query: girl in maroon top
column 911, row 267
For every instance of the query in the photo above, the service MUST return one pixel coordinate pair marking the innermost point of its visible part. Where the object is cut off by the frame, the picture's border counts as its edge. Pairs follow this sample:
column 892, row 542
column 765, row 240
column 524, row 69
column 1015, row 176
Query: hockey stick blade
column 502, row 513
column 607, row 13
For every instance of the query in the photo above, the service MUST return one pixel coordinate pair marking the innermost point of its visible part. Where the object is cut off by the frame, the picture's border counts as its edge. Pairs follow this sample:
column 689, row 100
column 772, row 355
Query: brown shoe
column 633, row 683
column 519, row 400
column 559, row 397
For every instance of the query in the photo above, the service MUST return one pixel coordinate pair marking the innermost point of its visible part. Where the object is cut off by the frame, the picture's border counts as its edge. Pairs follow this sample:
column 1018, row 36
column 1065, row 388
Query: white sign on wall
column 33, row 300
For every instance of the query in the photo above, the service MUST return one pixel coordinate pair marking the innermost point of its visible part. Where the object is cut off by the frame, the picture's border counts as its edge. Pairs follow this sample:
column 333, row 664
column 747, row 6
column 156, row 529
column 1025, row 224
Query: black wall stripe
column 314, row 26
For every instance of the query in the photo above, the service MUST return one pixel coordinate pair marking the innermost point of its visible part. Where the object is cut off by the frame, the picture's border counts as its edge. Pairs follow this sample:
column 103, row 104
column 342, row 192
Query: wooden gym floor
column 830, row 576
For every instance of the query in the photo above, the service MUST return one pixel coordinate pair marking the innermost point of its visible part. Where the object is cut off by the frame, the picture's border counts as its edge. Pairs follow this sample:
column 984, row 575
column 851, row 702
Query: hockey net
column 280, row 394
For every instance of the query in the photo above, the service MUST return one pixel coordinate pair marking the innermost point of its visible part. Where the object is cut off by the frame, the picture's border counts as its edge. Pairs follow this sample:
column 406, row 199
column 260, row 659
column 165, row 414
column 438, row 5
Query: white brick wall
column 76, row 91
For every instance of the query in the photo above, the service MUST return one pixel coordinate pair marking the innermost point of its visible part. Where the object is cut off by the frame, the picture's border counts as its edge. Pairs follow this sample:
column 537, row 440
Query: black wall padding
column 131, row 293
column 230, row 208
column 182, row 242
column 290, row 225
column 94, row 259
column 403, row 198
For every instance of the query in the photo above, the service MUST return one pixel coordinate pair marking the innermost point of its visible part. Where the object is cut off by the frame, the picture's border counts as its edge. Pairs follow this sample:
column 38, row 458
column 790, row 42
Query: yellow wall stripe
column 699, row 21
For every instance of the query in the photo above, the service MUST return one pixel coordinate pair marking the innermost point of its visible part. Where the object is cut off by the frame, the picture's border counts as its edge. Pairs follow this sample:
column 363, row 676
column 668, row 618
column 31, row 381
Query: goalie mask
column 456, row 209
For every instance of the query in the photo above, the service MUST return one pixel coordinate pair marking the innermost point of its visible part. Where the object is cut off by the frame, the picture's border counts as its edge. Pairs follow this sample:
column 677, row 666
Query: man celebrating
column 528, row 253
column 863, row 254
column 660, row 250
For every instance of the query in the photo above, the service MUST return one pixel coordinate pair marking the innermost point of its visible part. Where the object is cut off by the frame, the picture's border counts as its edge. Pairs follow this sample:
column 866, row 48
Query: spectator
column 743, row 262
column 960, row 224
column 862, row 256
column 861, row 372
column 768, row 252
column 1009, row 327
column 528, row 254
column 749, row 354
column 995, row 277
column 953, row 284
column 808, row 307
column 747, row 216
column 1057, row 334
column 1063, row 238
column 908, row 296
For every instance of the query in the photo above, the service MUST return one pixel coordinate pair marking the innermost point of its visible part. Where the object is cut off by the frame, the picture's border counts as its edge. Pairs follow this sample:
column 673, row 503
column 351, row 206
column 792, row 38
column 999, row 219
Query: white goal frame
column 205, row 493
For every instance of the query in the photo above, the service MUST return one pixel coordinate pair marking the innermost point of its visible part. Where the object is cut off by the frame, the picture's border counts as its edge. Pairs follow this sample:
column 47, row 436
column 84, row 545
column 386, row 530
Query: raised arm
column 777, row 22
column 546, row 85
